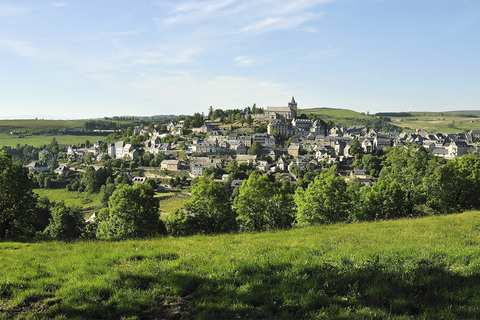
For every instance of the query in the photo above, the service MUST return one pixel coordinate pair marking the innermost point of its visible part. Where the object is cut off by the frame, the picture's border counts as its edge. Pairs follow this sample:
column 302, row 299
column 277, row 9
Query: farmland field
column 45, row 139
column 427, row 268
column 32, row 125
column 455, row 121
column 437, row 122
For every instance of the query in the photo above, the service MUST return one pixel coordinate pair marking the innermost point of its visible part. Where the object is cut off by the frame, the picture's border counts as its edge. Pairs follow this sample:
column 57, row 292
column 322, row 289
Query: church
column 282, row 113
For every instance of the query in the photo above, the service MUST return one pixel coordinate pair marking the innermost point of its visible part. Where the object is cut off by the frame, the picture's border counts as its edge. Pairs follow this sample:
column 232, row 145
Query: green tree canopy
column 255, row 149
column 263, row 205
column 207, row 211
column 17, row 201
column 355, row 147
column 132, row 213
column 67, row 223
column 324, row 201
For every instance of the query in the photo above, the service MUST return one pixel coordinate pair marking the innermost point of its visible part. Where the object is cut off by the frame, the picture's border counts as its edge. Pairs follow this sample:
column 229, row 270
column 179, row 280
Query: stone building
column 285, row 113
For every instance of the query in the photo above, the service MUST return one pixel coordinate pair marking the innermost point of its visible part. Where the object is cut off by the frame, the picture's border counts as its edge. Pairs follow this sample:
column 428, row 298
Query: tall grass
column 420, row 268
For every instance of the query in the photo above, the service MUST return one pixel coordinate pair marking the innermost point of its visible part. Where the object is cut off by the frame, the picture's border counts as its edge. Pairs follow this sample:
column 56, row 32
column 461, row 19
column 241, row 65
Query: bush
column 132, row 212
column 66, row 224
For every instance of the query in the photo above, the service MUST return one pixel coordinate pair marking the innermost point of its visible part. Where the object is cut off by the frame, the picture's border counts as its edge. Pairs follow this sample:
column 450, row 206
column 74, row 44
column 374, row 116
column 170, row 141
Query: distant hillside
column 32, row 125
column 346, row 118
column 448, row 121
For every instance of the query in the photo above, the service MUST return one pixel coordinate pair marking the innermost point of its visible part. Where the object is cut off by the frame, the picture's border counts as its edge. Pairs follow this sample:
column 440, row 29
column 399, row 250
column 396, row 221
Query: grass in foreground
column 420, row 268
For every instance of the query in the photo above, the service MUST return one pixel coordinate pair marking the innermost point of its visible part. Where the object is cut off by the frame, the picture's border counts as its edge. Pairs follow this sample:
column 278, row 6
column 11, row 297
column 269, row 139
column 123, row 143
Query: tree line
column 411, row 183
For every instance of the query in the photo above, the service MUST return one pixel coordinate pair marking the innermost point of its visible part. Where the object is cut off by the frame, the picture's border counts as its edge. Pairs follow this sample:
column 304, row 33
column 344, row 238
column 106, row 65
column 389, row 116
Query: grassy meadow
column 171, row 201
column 33, row 125
column 342, row 117
column 44, row 139
column 438, row 121
column 89, row 202
column 425, row 268
column 454, row 121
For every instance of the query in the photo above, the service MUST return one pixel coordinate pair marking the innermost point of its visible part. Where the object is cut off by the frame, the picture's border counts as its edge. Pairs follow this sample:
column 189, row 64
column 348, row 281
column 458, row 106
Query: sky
column 79, row 59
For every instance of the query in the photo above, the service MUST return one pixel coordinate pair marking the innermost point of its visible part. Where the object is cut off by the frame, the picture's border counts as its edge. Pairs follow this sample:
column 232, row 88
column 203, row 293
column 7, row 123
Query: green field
column 438, row 122
column 342, row 117
column 454, row 121
column 44, row 139
column 169, row 202
column 88, row 201
column 425, row 268
column 32, row 125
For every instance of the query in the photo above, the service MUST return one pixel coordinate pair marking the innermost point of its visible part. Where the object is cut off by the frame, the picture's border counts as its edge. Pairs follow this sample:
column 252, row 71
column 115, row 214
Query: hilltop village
column 287, row 146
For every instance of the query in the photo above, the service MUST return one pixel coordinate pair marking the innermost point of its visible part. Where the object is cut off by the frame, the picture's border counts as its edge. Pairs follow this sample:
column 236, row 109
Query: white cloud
column 243, row 61
column 247, row 15
column 192, row 11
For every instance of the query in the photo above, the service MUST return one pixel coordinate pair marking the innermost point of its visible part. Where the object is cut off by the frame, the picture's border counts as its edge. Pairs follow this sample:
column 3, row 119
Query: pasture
column 427, row 268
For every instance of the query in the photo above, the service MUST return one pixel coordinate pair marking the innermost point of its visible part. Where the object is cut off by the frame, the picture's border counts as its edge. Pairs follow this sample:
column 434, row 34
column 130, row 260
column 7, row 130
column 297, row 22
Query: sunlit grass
column 169, row 202
column 422, row 268
column 45, row 139
column 71, row 198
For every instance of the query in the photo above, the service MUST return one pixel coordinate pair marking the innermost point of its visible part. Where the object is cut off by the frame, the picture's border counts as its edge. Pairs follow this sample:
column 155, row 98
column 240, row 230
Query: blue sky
column 86, row 58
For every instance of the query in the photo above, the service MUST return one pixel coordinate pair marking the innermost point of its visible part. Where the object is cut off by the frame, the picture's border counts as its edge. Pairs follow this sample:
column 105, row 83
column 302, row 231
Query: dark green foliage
column 263, row 205
column 42, row 214
column 255, row 149
column 17, row 201
column 372, row 164
column 207, row 211
column 132, row 212
column 90, row 180
column 457, row 185
column 106, row 192
column 324, row 201
column 67, row 223
column 355, row 147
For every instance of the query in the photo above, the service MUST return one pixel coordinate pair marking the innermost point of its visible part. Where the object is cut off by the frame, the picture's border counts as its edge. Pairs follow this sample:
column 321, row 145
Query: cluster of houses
column 311, row 144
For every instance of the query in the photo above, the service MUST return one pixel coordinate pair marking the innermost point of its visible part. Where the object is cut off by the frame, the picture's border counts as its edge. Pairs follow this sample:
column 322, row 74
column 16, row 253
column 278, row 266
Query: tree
column 255, row 149
column 414, row 171
column 42, row 214
column 54, row 146
column 386, row 200
column 210, row 113
column 90, row 180
column 207, row 211
column 263, row 205
column 67, row 223
column 372, row 164
column 132, row 212
column 89, row 157
column 355, row 147
column 324, row 201
column 17, row 200
column 457, row 185
column 106, row 192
